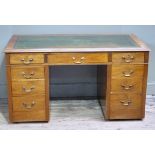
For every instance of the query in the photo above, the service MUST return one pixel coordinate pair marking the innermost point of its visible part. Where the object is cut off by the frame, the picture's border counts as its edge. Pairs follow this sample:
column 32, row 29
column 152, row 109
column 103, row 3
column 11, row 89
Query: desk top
column 75, row 43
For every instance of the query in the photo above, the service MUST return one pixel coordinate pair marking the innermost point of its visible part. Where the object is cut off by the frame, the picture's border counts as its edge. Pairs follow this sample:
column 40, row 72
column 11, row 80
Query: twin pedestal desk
column 122, row 64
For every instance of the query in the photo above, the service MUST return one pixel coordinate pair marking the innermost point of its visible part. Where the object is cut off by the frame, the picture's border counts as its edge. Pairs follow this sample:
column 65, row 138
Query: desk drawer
column 25, row 73
column 77, row 58
column 31, row 103
column 28, row 87
column 127, row 71
column 125, row 106
column 26, row 59
column 29, row 116
column 128, row 57
column 127, row 85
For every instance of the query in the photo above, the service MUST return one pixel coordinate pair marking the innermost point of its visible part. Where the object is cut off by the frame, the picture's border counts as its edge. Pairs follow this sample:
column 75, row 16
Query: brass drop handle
column 28, row 105
column 126, row 103
column 128, row 58
column 79, row 61
column 28, row 90
column 128, row 73
column 127, row 87
column 27, row 76
column 27, row 61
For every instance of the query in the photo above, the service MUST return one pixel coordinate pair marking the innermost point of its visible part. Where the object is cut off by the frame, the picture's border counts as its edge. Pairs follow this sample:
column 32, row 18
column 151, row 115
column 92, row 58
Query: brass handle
column 28, row 90
column 79, row 61
column 27, row 76
column 126, row 103
column 27, row 61
column 128, row 73
column 127, row 87
column 128, row 58
column 28, row 105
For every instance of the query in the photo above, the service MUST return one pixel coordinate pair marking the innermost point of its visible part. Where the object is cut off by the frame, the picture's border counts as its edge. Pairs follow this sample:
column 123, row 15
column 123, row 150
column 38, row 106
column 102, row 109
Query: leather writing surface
column 81, row 41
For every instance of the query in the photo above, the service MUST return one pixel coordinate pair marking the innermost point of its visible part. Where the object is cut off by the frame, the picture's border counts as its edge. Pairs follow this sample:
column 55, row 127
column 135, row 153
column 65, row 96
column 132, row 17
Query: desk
column 122, row 62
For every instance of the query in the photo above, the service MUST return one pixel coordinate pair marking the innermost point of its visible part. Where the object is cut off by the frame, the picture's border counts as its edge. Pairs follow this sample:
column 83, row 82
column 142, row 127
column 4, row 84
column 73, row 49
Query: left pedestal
column 28, row 93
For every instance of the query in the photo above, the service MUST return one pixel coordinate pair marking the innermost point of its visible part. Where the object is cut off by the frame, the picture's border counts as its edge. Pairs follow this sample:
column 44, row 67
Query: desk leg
column 10, row 108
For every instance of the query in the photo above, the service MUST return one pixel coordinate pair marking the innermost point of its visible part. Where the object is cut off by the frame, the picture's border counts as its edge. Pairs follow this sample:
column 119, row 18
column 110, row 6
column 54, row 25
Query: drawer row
column 122, row 106
column 31, row 80
column 118, row 71
column 77, row 58
column 34, row 87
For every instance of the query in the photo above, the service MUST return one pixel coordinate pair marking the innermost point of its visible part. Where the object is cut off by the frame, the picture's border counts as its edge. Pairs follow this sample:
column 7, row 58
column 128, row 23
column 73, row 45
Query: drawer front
column 125, row 106
column 26, row 59
column 24, row 73
column 28, row 87
column 78, row 58
column 127, row 85
column 127, row 71
column 128, row 57
column 31, row 103
column 29, row 116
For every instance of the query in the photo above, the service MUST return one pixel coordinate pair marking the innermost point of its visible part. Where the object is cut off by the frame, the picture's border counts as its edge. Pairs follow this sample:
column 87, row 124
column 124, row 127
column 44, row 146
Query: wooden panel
column 31, row 103
column 127, row 71
column 47, row 97
column 8, row 75
column 102, row 86
column 145, row 83
column 77, row 58
column 28, row 87
column 127, row 85
column 128, row 57
column 29, row 116
column 26, row 59
column 125, row 106
column 24, row 73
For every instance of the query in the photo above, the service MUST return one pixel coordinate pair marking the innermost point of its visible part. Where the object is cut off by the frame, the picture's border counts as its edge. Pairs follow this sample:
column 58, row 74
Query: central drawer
column 77, row 58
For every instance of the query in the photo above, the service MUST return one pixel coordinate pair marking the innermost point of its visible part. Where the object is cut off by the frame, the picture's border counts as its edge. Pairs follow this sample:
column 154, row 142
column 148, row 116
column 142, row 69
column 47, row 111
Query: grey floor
column 80, row 115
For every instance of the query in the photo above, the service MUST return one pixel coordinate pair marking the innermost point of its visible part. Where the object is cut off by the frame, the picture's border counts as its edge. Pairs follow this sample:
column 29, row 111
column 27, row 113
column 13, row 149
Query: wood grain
column 76, row 58
column 27, row 73
column 119, row 71
column 47, row 97
column 120, row 111
column 28, row 87
column 137, row 57
column 132, row 85
column 24, row 103
column 9, row 87
column 144, row 84
column 17, row 58
column 102, row 86
column 29, row 116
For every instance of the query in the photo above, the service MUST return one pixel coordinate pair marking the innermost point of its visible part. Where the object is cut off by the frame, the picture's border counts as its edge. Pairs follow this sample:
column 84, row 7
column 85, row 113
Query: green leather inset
column 89, row 41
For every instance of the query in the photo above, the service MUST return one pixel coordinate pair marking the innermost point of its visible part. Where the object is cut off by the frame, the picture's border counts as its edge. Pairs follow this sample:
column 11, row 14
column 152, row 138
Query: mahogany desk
column 122, row 62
